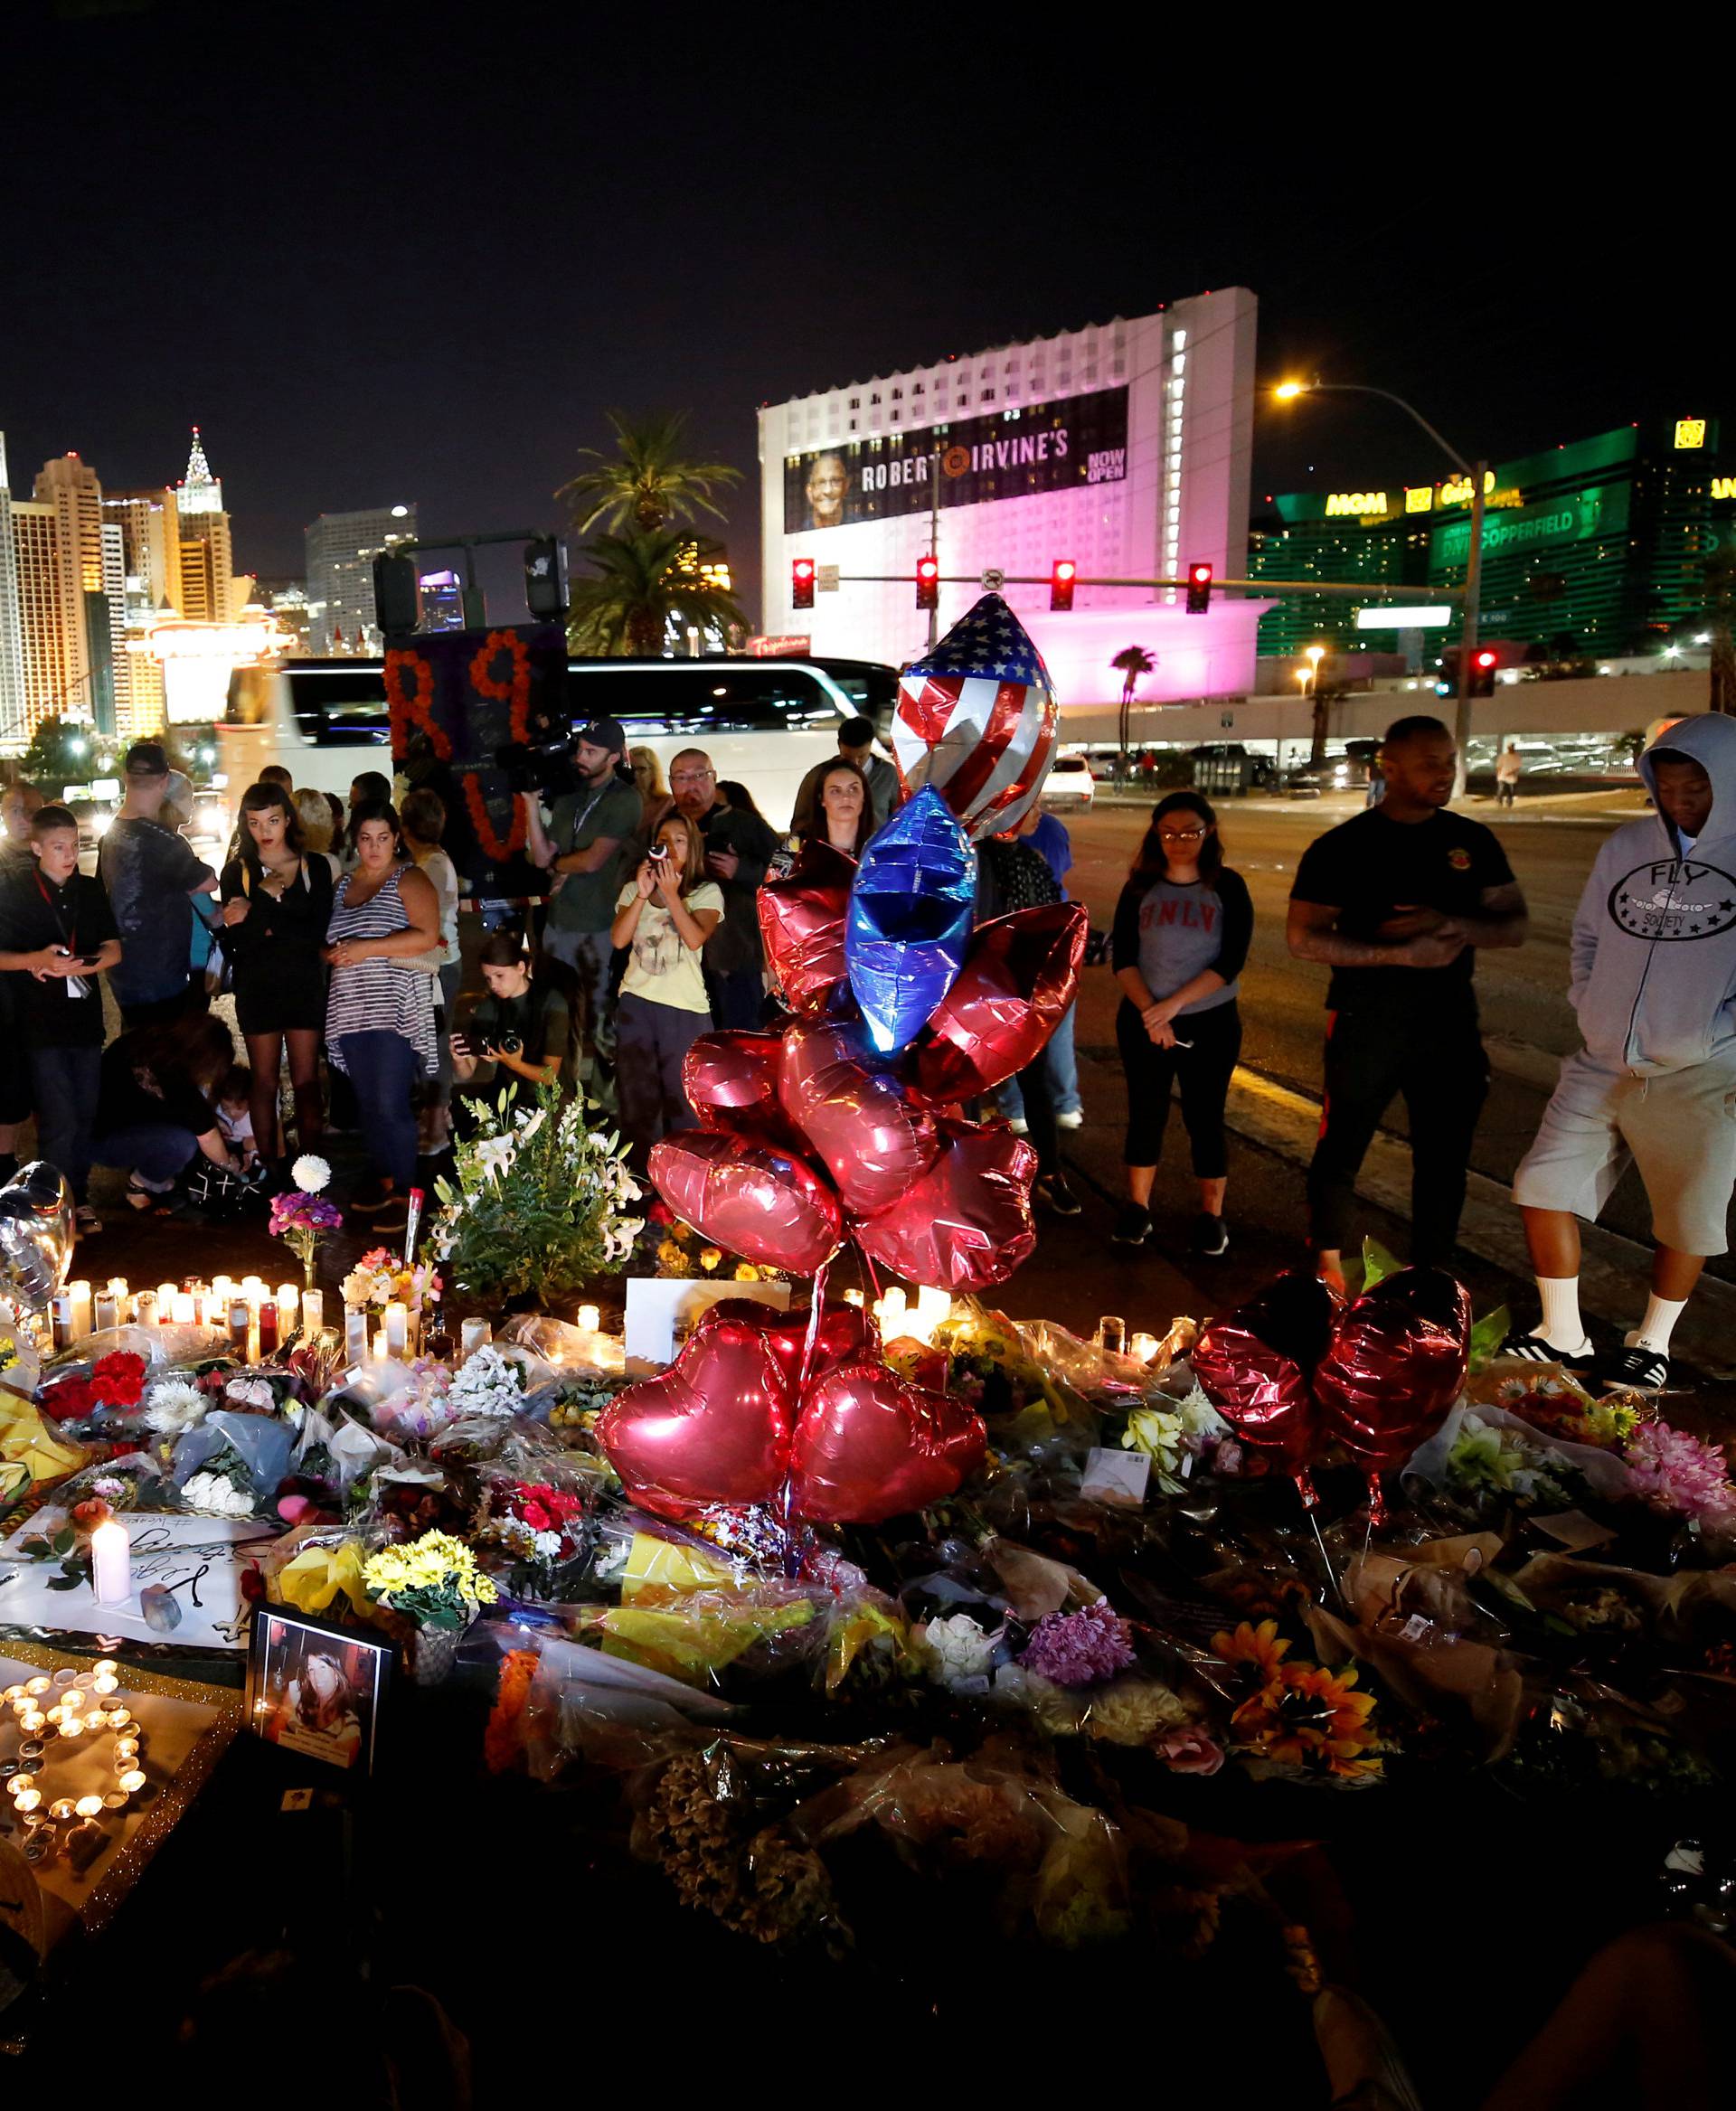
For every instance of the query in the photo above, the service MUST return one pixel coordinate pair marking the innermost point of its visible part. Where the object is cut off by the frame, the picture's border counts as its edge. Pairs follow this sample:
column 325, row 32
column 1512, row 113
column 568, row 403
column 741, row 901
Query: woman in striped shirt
column 380, row 1013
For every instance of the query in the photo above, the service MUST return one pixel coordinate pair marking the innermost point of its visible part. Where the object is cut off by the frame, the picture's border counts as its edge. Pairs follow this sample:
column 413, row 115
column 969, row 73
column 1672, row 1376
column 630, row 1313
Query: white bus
column 763, row 722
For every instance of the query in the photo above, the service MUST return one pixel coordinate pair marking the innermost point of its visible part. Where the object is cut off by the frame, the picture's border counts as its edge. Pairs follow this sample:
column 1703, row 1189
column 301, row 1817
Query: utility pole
column 1467, row 627
column 934, row 542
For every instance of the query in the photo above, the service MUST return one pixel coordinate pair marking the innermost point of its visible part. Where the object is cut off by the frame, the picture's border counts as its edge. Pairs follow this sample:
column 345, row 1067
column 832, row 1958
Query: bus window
column 700, row 697
column 339, row 706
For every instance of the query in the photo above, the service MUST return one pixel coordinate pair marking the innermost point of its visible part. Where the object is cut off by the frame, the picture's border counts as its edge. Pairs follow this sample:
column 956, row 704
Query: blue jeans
column 383, row 1069
column 1063, row 1074
column 64, row 1082
column 154, row 1150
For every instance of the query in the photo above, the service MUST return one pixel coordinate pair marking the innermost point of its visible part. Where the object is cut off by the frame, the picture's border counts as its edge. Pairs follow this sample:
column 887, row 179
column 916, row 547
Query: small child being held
column 235, row 1117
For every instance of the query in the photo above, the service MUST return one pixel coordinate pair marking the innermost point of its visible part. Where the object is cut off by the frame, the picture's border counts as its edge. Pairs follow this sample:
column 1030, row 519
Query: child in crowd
column 665, row 915
column 235, row 1117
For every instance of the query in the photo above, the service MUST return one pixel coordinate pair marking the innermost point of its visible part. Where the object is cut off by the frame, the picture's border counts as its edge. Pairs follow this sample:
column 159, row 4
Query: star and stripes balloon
column 977, row 719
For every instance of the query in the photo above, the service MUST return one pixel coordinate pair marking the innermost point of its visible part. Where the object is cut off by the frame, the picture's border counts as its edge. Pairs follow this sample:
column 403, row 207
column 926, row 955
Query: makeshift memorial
column 909, row 919
column 435, row 1589
column 317, row 1690
column 381, row 1279
column 300, row 1215
column 540, row 1202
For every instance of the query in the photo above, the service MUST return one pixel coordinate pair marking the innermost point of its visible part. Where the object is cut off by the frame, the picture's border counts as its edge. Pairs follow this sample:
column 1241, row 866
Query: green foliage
column 647, row 483
column 1377, row 1263
column 540, row 1202
column 641, row 584
column 63, row 752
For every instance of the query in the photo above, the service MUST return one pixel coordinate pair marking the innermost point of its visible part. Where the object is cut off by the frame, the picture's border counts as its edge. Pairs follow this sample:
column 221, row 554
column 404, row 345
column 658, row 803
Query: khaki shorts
column 1679, row 1129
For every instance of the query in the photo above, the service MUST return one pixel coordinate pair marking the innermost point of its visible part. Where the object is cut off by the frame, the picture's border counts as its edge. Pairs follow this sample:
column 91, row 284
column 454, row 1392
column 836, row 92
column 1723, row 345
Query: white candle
column 185, row 1314
column 224, row 1287
column 105, row 1308
column 1144, row 1346
column 892, row 1308
column 120, row 1291
column 253, row 1288
column 80, row 1293
column 855, row 1297
column 112, row 1562
column 473, row 1334
column 356, row 1333
column 397, row 1327
column 166, row 1295
column 380, row 1350
column 590, row 1319
column 312, row 1311
column 145, row 1309
column 289, row 1297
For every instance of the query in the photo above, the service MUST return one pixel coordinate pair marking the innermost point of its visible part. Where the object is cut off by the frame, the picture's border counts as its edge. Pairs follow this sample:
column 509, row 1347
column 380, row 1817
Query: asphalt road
column 1527, row 1023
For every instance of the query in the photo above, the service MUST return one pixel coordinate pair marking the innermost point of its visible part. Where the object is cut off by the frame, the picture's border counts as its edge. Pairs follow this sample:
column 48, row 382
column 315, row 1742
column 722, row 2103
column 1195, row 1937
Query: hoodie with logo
column 1653, row 949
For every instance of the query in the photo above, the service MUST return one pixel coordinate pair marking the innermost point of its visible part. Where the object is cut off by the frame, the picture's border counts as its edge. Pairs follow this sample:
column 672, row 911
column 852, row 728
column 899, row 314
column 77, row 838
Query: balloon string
column 866, row 1259
column 787, row 1516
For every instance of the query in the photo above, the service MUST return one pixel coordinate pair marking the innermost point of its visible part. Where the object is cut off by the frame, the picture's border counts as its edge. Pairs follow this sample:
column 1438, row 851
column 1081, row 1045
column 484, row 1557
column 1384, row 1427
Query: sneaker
column 1210, row 1238
column 1054, row 1195
column 1132, row 1227
column 1637, row 1370
column 374, row 1198
column 1534, row 1349
column 1019, row 1126
column 86, row 1220
column 393, row 1214
column 1074, row 1119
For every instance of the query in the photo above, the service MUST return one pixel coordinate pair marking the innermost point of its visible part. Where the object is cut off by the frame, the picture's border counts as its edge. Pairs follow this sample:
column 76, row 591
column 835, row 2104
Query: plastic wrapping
column 261, row 1444
column 567, row 1351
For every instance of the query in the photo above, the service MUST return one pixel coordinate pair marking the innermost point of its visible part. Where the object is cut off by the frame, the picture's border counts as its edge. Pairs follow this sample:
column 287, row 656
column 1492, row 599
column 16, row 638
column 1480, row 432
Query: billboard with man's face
column 1009, row 454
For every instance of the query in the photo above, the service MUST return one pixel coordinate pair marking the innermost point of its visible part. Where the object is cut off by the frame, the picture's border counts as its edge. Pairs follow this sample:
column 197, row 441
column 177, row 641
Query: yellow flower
column 1257, row 1647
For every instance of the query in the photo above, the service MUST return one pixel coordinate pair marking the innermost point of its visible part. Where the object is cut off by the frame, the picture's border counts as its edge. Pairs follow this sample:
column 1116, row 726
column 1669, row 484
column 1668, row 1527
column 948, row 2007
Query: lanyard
column 580, row 819
column 69, row 939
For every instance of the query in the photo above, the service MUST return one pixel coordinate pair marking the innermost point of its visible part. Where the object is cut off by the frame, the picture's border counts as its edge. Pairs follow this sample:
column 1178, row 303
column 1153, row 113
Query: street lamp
column 1287, row 392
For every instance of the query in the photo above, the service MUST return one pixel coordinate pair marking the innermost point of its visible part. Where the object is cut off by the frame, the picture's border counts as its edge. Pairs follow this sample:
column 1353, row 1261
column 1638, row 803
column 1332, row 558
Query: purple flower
column 1080, row 1649
column 1673, row 1471
column 297, row 1211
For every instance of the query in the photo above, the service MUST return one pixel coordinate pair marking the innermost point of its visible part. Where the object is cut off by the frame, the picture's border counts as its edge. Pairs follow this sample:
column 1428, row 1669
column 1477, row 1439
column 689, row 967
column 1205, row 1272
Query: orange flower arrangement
column 1260, row 1648
column 1309, row 1717
column 500, row 1743
column 412, row 705
column 516, row 834
column 515, row 690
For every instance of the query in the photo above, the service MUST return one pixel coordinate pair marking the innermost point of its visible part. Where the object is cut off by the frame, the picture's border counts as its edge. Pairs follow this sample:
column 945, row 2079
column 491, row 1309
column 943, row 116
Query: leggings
column 1204, row 1071
column 383, row 1069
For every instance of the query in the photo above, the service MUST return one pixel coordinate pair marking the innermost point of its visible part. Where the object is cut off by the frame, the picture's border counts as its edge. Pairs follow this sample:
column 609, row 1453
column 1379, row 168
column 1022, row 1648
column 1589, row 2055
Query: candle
column 61, row 1807
column 240, row 1317
column 288, row 1298
column 112, row 1562
column 184, row 1315
column 397, row 1327
column 20, row 1782
column 356, row 1333
column 104, row 1683
column 104, row 1667
column 313, row 1313
column 80, row 1293
column 473, row 1334
column 269, row 1327
column 590, row 1319
column 39, row 1684
column 88, row 1806
column 224, row 1286
column 165, row 1293
column 892, row 1308
column 855, row 1297
column 29, row 1799
column 253, row 1288
column 380, row 1344
column 132, row 1781
column 145, row 1308
column 61, row 1319
column 1144, row 1346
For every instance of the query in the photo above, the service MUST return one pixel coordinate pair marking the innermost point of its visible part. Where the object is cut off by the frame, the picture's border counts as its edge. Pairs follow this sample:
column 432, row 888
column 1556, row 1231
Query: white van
column 763, row 722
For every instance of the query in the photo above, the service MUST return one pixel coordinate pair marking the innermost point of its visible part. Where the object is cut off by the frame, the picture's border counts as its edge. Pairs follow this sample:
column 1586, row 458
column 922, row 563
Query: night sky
column 386, row 253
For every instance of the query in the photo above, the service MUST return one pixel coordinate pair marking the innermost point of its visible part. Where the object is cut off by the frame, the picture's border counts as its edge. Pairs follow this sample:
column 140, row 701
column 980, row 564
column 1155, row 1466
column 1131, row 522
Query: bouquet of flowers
column 486, row 1383
column 115, row 1381
column 222, row 1488
column 381, row 1279
column 301, row 1215
column 539, row 1204
column 434, row 1582
column 540, row 1527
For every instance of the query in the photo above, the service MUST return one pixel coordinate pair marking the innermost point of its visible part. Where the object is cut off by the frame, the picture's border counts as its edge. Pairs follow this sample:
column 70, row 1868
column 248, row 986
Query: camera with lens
column 538, row 766
column 509, row 1043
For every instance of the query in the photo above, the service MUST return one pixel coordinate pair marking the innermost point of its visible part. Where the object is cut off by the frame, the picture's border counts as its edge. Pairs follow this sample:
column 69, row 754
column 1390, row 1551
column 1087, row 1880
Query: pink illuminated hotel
column 1124, row 447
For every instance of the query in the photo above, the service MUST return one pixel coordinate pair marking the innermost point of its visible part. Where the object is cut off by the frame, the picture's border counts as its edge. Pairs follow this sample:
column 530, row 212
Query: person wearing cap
column 583, row 848
column 151, row 875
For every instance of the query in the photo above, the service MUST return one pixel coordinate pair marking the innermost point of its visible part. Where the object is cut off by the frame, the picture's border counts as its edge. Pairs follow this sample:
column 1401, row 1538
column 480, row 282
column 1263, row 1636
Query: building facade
column 340, row 551
column 15, row 717
column 1124, row 447
column 1596, row 548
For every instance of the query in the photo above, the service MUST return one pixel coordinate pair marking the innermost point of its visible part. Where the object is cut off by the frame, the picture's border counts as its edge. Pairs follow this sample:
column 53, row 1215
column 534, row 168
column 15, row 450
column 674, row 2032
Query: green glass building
column 1590, row 549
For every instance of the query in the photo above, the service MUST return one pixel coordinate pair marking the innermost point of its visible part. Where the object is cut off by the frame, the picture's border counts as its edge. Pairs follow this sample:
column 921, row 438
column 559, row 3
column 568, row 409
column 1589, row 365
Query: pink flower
column 1673, row 1471
column 1080, row 1649
column 1187, row 1749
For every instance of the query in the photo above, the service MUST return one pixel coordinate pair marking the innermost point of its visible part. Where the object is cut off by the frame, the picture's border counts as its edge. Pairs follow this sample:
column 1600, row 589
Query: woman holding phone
column 1180, row 939
column 664, row 918
column 518, row 1038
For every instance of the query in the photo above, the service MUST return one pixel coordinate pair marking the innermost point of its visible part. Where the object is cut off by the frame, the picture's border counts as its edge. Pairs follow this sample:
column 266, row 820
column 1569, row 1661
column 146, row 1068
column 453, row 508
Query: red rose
column 118, row 1380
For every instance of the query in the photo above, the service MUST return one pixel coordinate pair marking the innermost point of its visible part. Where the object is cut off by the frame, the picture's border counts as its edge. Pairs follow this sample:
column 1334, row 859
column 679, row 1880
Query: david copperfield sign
column 1011, row 454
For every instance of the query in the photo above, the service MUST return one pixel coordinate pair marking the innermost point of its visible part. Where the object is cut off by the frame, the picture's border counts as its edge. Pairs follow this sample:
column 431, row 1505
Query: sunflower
column 1309, row 1717
column 1257, row 1647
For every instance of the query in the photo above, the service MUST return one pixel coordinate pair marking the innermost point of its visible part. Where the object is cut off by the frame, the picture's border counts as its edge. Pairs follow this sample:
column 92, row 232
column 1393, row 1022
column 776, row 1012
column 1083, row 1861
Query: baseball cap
column 602, row 733
column 147, row 759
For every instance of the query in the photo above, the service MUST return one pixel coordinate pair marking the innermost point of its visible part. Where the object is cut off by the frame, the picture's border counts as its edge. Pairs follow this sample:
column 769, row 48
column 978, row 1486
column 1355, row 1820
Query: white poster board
column 168, row 1547
column 659, row 1306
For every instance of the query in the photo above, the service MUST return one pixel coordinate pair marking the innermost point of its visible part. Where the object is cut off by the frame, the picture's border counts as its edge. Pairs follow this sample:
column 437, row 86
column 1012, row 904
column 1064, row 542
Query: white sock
column 1654, row 1331
column 1561, row 1325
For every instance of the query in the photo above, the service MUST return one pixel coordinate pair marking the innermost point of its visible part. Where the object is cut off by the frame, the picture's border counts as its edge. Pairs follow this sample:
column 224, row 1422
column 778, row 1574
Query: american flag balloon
column 977, row 719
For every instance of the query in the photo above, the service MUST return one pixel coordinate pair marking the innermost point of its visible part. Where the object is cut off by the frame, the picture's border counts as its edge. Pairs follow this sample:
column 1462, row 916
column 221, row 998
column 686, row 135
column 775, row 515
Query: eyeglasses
column 1180, row 834
column 691, row 777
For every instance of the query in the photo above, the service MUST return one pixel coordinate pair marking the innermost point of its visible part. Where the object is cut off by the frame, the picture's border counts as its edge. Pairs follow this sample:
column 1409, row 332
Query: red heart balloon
column 1262, row 1393
column 731, row 1080
column 768, row 1205
column 801, row 922
column 847, row 1334
column 714, row 1428
column 966, row 1223
column 1019, row 977
column 869, row 1446
column 871, row 1136
column 1395, row 1366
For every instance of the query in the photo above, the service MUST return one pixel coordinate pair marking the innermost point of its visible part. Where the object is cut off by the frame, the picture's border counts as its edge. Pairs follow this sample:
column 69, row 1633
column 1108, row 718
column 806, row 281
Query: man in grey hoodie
column 1654, row 983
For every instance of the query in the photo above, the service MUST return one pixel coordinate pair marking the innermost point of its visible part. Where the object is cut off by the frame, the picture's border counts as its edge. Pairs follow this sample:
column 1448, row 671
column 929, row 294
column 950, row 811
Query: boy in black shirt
column 1394, row 902
column 57, row 935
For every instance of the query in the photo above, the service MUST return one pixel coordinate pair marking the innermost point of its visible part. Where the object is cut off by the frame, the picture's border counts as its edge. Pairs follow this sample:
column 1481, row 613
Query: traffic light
column 1060, row 583
column 394, row 593
column 546, row 578
column 927, row 582
column 1483, row 664
column 801, row 582
column 1198, row 589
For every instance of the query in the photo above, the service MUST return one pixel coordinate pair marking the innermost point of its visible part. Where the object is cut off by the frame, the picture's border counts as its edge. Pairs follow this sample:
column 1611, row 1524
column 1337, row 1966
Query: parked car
column 1069, row 784
column 1229, row 766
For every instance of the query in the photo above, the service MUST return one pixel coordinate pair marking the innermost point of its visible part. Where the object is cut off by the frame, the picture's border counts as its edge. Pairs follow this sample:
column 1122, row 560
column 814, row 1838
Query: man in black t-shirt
column 1395, row 901
column 57, row 935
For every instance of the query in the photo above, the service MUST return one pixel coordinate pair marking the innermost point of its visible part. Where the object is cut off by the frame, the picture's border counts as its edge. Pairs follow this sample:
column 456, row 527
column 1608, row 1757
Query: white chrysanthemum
column 312, row 1176
column 174, row 1405
column 1132, row 1711
column 956, row 1648
column 486, row 1383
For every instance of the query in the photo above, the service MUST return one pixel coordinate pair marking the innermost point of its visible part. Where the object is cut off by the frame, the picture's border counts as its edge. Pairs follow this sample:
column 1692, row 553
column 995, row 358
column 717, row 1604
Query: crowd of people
column 336, row 931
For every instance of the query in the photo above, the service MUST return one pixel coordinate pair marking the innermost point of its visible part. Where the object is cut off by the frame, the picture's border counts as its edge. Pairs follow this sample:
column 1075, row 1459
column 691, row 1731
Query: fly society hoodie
column 1653, row 952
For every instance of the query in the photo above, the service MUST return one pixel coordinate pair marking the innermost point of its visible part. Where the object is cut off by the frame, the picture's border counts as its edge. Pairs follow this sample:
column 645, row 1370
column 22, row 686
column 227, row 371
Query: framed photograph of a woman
column 314, row 1689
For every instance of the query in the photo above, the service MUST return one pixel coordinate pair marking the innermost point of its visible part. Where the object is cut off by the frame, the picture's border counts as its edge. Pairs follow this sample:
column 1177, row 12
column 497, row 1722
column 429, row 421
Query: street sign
column 1226, row 717
column 1426, row 617
column 994, row 579
column 825, row 578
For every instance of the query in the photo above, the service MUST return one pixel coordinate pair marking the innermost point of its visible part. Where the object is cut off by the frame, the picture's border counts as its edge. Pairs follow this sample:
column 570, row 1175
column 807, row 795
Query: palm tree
column 1132, row 660
column 647, row 483
column 642, row 585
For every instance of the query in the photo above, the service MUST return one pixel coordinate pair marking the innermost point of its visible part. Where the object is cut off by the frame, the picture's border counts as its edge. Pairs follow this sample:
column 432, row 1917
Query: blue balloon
column 910, row 919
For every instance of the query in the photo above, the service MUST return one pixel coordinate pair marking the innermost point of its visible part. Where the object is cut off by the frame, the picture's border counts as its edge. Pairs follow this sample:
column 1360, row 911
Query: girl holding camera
column 519, row 1037
column 665, row 917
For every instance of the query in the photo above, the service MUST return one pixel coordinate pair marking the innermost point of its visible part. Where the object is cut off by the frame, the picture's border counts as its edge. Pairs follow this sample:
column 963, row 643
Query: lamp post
column 1314, row 654
column 1477, row 472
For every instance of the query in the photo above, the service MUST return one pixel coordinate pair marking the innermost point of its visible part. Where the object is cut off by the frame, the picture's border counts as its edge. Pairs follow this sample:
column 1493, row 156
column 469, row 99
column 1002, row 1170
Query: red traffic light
column 801, row 582
column 1484, row 659
column 1061, row 576
column 1198, row 589
column 927, row 582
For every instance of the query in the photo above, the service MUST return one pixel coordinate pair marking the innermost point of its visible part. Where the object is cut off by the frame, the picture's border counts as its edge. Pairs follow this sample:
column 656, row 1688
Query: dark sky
column 382, row 253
